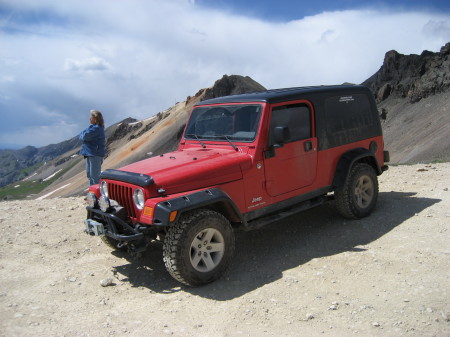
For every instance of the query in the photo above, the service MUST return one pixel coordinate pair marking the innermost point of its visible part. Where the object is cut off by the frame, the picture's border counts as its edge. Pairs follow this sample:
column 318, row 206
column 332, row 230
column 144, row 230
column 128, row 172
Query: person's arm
column 90, row 133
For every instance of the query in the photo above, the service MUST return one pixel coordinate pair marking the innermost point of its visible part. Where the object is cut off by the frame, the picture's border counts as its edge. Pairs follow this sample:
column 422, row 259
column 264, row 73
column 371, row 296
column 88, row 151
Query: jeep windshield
column 224, row 123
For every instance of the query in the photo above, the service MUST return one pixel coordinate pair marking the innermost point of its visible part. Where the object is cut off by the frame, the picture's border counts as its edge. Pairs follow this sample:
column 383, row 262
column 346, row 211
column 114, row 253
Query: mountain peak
column 232, row 85
column 412, row 76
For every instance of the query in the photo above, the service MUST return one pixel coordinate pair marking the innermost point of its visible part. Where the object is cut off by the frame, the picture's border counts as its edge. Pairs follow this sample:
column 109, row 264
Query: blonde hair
column 98, row 117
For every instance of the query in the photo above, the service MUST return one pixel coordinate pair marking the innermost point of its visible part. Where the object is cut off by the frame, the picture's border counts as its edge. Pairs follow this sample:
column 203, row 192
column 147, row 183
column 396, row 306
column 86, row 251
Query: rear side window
column 297, row 117
column 346, row 113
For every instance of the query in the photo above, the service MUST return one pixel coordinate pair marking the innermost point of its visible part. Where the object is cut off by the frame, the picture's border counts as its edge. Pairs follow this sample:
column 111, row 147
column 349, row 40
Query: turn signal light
column 148, row 211
column 173, row 216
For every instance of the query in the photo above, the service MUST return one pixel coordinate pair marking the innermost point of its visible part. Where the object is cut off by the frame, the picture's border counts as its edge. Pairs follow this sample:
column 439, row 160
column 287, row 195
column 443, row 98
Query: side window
column 345, row 113
column 297, row 117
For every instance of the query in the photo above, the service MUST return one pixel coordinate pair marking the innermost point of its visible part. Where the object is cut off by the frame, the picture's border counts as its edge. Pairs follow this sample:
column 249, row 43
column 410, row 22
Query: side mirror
column 281, row 135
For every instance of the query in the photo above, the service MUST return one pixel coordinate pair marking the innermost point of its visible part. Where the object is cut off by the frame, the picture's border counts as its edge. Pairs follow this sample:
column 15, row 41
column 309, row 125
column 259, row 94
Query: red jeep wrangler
column 244, row 161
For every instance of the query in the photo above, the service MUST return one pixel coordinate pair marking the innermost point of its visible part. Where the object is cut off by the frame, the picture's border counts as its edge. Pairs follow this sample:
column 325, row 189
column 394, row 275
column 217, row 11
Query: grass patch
column 22, row 189
column 30, row 170
column 439, row 161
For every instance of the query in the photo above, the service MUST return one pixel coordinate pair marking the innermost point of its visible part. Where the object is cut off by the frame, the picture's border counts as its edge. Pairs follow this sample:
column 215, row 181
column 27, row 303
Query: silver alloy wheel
column 207, row 250
column 364, row 191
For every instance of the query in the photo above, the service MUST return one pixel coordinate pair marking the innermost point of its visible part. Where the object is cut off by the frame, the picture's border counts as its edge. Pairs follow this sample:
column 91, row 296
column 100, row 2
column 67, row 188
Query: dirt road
column 314, row 274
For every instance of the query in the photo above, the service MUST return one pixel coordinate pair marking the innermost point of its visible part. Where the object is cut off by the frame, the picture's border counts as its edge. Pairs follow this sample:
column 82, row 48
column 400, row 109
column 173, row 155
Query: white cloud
column 140, row 57
column 89, row 64
column 7, row 79
column 437, row 29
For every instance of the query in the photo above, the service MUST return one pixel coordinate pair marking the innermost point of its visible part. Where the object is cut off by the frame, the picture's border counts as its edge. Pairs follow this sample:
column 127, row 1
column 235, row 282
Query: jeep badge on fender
column 243, row 162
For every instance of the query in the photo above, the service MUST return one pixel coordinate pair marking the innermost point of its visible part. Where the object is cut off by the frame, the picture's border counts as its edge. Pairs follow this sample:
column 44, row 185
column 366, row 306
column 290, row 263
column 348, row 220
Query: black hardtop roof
column 285, row 94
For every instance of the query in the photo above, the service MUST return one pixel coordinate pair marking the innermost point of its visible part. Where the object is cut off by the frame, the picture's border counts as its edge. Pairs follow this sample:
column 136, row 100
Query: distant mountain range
column 412, row 91
column 14, row 164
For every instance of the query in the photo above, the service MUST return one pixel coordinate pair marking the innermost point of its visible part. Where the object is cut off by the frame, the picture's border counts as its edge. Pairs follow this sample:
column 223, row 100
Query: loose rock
column 107, row 282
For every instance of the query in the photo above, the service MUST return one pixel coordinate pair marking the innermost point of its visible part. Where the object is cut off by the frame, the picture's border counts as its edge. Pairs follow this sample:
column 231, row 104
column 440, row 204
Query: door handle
column 308, row 146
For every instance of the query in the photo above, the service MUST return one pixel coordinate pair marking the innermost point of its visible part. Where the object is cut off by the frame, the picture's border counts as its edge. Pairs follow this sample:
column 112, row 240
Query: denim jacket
column 93, row 139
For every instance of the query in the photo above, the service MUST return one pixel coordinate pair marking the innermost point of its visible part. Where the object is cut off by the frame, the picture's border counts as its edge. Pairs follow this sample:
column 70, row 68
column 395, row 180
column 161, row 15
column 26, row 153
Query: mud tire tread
column 345, row 202
column 178, row 240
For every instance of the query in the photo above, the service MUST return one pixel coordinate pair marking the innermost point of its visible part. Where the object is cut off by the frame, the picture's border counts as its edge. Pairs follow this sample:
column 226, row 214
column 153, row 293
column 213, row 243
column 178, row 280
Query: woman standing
column 93, row 148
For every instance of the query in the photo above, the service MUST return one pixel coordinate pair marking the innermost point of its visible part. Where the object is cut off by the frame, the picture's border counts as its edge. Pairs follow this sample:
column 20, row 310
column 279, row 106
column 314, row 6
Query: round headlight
column 138, row 197
column 91, row 200
column 104, row 188
column 104, row 203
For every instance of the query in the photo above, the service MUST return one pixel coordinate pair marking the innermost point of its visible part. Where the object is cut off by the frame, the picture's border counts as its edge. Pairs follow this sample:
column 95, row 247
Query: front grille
column 124, row 196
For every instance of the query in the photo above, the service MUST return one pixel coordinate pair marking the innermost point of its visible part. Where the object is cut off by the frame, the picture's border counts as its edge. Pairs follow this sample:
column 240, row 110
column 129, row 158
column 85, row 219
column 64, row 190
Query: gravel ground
column 314, row 274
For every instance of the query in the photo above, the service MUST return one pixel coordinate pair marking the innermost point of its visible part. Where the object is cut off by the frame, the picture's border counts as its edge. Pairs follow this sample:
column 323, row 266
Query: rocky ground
column 314, row 274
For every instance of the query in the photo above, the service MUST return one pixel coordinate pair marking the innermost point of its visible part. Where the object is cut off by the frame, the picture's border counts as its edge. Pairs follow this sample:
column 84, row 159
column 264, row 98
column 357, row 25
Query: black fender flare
column 348, row 159
column 212, row 198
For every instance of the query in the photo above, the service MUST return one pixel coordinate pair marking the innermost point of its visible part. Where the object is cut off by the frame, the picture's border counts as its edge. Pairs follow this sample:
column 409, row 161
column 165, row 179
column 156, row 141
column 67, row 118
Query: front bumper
column 99, row 223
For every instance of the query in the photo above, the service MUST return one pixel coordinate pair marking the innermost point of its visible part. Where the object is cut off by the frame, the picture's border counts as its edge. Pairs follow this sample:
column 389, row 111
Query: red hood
column 192, row 169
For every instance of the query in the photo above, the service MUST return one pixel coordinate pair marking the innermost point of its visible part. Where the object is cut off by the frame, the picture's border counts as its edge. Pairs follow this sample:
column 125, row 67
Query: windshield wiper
column 229, row 141
column 196, row 137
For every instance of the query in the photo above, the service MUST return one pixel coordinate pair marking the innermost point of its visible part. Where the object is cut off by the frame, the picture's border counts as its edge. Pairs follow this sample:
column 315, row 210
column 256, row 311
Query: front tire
column 358, row 197
column 199, row 247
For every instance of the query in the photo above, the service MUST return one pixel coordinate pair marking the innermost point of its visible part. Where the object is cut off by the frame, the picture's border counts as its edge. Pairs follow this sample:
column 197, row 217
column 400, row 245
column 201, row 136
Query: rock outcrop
column 232, row 85
column 413, row 95
column 412, row 76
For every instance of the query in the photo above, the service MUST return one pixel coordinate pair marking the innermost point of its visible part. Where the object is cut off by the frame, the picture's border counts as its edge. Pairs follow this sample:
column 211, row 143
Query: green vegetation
column 29, row 170
column 25, row 188
column 439, row 161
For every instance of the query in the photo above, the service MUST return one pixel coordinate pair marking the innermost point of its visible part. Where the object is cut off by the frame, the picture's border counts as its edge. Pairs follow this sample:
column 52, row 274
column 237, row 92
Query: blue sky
column 282, row 10
column 59, row 59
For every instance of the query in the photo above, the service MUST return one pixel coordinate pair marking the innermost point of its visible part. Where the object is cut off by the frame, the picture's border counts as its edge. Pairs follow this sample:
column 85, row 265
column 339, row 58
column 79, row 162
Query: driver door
column 292, row 164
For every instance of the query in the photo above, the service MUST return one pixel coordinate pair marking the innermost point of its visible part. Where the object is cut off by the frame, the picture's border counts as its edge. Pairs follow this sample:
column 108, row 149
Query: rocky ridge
column 14, row 163
column 413, row 77
column 232, row 85
column 413, row 95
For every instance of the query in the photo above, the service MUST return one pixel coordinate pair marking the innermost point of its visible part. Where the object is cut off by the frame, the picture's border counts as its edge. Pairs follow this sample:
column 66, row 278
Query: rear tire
column 358, row 197
column 199, row 247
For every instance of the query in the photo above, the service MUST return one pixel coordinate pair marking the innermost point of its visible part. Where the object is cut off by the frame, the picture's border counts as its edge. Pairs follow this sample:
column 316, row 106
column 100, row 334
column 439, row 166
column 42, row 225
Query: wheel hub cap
column 207, row 250
column 364, row 191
